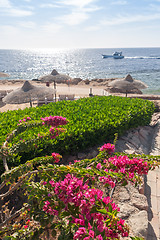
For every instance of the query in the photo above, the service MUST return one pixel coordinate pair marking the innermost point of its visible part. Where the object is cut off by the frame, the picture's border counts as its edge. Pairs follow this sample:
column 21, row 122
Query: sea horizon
column 85, row 63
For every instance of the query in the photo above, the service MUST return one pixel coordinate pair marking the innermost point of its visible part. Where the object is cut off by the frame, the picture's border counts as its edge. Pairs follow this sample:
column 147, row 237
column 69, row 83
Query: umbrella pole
column 30, row 101
column 55, row 88
column 126, row 93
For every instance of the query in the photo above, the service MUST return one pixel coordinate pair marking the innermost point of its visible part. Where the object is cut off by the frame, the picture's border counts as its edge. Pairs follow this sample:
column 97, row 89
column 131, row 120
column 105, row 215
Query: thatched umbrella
column 27, row 93
column 55, row 77
column 2, row 74
column 126, row 85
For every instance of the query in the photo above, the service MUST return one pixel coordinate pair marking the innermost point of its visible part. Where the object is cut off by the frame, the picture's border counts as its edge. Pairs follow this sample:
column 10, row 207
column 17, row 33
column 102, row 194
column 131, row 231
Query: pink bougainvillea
column 56, row 157
column 125, row 165
column 91, row 206
column 108, row 147
column 54, row 121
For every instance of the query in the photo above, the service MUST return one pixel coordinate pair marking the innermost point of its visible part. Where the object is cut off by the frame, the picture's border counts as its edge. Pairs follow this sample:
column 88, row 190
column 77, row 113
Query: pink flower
column 91, row 233
column 54, row 121
column 56, row 157
column 89, row 226
column 44, row 183
column 106, row 200
column 108, row 148
column 100, row 226
column 25, row 226
column 99, row 237
column 20, row 120
column 80, row 221
column 99, row 166
column 80, row 232
column 72, row 191
column 125, row 234
column 52, row 183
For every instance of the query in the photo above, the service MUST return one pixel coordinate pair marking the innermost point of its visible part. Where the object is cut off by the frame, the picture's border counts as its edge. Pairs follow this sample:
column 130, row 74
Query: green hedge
column 92, row 121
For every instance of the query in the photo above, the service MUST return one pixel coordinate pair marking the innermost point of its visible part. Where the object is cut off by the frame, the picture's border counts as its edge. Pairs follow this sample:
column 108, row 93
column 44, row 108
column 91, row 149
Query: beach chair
column 62, row 97
column 70, row 97
column 45, row 101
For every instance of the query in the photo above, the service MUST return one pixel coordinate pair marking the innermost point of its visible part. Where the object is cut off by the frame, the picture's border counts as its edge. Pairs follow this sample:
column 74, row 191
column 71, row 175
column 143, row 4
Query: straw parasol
column 27, row 93
column 55, row 77
column 2, row 74
column 126, row 85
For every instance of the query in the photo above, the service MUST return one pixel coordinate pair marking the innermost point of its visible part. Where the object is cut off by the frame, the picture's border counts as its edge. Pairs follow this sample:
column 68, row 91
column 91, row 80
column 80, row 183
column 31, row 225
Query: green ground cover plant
column 91, row 121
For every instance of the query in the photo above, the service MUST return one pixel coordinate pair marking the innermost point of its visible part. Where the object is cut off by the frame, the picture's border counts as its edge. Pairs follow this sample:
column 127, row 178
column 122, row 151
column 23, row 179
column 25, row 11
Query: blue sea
column 142, row 63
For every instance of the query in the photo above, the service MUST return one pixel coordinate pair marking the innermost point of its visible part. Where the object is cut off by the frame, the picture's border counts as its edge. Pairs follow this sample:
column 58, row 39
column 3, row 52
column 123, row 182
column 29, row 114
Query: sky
column 79, row 23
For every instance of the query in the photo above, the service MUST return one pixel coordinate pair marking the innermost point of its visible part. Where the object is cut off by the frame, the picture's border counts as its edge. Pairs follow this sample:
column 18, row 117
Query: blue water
column 142, row 63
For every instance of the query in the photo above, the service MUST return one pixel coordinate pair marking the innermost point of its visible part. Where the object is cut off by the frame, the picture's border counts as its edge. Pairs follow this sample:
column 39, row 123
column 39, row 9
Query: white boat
column 115, row 55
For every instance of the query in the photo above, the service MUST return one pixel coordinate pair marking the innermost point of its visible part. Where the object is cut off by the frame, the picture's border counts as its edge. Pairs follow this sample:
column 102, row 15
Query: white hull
column 116, row 55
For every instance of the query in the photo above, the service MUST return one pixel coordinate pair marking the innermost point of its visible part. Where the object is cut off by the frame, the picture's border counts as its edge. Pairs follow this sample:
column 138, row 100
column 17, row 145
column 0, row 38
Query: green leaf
column 104, row 211
column 110, row 208
column 7, row 238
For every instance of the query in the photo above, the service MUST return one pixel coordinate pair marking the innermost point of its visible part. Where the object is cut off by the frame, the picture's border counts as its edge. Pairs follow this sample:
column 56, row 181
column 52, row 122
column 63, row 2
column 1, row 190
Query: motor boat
column 115, row 55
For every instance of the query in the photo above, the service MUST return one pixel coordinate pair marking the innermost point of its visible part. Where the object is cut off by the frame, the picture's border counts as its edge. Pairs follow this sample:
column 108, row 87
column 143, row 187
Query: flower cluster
column 107, row 180
column 108, row 147
column 54, row 121
column 56, row 157
column 131, row 166
column 25, row 119
column 27, row 224
column 93, row 215
column 54, row 132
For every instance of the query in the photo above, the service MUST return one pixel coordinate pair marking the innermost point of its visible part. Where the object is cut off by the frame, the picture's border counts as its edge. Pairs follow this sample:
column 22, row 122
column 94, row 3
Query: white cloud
column 77, row 3
column 27, row 24
column 8, row 30
column 154, row 7
column 4, row 4
column 75, row 18
column 129, row 19
column 92, row 28
column 80, row 11
column 7, row 9
column 121, row 2
column 92, row 9
column 15, row 12
column 49, row 5
column 51, row 27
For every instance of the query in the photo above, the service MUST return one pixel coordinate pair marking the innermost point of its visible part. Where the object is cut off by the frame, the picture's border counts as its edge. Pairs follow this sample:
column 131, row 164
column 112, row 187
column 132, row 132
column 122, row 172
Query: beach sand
column 78, row 90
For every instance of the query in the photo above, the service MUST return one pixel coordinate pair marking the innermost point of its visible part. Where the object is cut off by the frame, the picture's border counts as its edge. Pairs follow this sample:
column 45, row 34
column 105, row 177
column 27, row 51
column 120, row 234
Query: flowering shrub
column 108, row 147
column 54, row 132
column 131, row 166
column 65, row 199
column 25, row 119
column 86, row 209
column 54, row 121
column 34, row 143
column 56, row 157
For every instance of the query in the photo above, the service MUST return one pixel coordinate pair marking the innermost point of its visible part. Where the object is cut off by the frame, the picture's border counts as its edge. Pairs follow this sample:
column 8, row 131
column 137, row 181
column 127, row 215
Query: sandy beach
column 78, row 90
